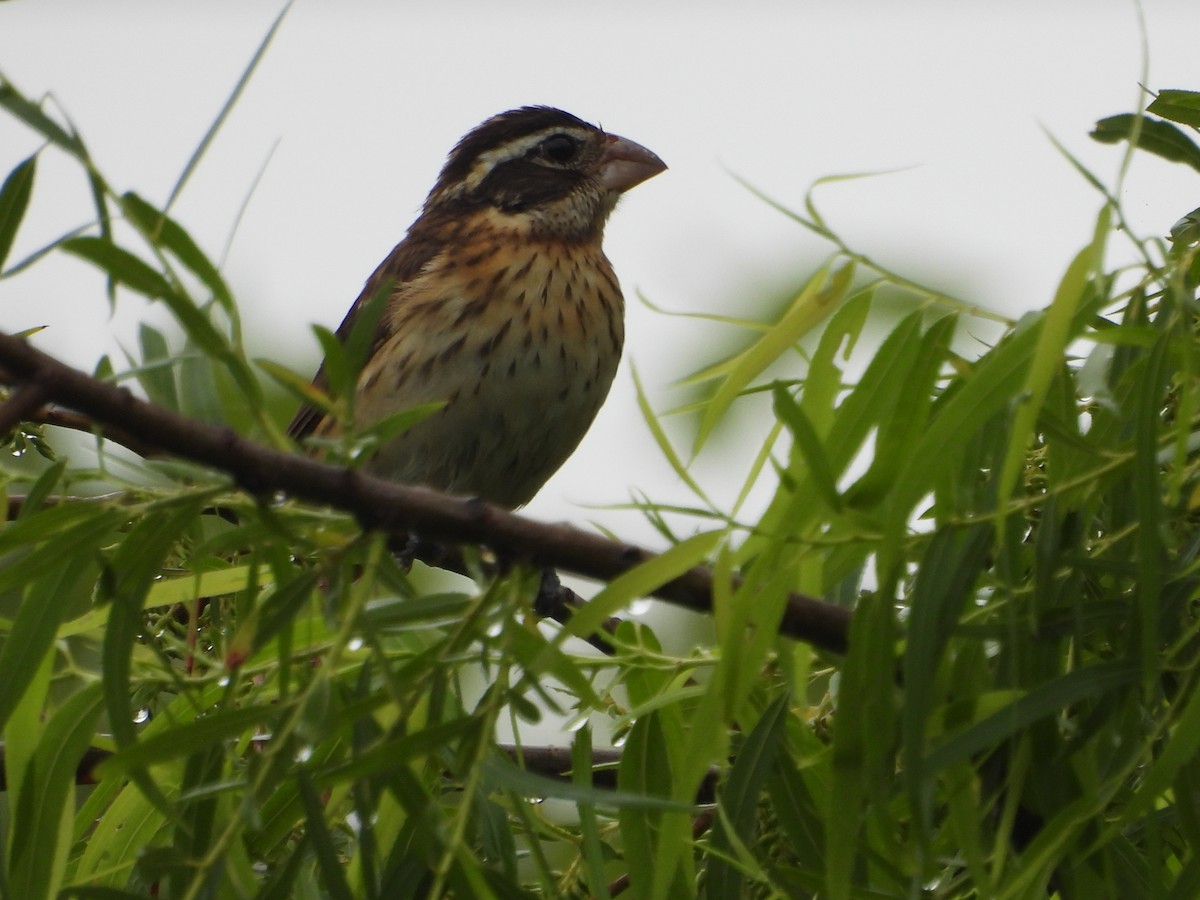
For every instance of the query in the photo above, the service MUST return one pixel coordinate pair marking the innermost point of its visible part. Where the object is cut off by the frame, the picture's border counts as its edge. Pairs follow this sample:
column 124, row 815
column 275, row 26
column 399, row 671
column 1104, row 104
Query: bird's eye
column 559, row 148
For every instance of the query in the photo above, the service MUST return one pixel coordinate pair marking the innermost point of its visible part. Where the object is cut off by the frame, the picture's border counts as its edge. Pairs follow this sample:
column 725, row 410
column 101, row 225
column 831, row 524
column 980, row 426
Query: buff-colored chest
column 521, row 341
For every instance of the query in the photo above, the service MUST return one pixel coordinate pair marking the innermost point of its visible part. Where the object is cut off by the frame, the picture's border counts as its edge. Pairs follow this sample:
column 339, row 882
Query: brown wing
column 403, row 264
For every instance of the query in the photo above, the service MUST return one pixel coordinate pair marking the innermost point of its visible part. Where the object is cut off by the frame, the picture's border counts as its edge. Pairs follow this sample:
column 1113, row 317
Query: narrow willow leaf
column 813, row 302
column 945, row 582
column 1054, row 335
column 168, row 592
column 24, row 728
column 865, row 732
column 957, row 418
column 808, row 446
column 199, row 395
column 529, row 648
column 1178, row 751
column 115, row 843
column 1046, row 699
column 797, row 811
column 163, row 231
column 660, row 438
column 133, row 567
column 874, row 397
column 120, row 265
column 501, row 772
column 640, row 581
column 397, row 423
column 823, row 381
column 644, row 771
column 1147, row 497
column 81, row 528
column 589, row 832
column 1186, row 231
column 903, row 420
column 46, row 804
column 364, row 330
column 14, row 200
column 335, row 365
column 1178, row 106
column 300, row 386
column 126, row 269
column 1160, row 138
column 32, row 115
column 184, row 738
column 42, row 607
column 740, row 795
column 157, row 376
column 227, row 108
column 269, row 618
column 317, row 831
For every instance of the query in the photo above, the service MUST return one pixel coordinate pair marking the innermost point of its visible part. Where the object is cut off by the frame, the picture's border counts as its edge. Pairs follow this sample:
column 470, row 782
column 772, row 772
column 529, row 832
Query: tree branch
column 380, row 504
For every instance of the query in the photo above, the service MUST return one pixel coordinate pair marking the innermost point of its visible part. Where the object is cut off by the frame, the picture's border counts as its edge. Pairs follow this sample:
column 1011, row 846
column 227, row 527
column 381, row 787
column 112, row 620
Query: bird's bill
column 624, row 164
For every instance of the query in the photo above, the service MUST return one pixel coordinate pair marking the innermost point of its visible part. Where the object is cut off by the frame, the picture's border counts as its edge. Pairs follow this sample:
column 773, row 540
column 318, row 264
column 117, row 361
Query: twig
column 65, row 418
column 385, row 505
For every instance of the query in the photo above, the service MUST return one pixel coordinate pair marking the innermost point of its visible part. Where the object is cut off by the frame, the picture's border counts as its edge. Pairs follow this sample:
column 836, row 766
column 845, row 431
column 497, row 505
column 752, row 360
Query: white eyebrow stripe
column 513, row 150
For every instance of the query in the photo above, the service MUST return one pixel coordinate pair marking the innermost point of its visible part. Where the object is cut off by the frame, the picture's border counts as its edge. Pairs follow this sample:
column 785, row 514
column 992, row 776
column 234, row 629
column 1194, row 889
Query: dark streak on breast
column 489, row 346
column 473, row 308
column 452, row 349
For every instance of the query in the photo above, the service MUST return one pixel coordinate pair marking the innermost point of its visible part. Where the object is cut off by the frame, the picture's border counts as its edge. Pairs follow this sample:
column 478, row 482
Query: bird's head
column 553, row 173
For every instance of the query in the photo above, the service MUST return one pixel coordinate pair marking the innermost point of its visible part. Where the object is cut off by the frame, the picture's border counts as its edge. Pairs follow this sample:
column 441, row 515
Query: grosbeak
column 500, row 303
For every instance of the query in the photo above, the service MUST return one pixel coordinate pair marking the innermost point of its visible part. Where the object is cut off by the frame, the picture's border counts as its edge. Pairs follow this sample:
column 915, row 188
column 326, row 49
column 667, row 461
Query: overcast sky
column 362, row 100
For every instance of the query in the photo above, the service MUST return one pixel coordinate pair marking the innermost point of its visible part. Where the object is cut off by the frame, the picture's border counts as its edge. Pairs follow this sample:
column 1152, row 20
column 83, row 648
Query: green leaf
column 227, row 108
column 808, row 446
column 1178, row 106
column 740, row 793
column 157, row 376
column 335, row 365
column 1181, row 749
column 300, row 386
column 163, row 231
column 1151, row 557
column 1046, row 699
column 499, row 771
column 132, row 569
column 33, row 631
column 14, row 200
column 811, row 304
column 185, row 738
column 1055, row 333
column 660, row 437
column 593, row 850
column 990, row 386
column 644, row 771
column 120, row 265
column 46, row 804
column 1186, row 231
column 318, row 832
column 640, row 581
column 1160, row 138
column 944, row 584
column 32, row 115
column 399, row 422
column 37, row 495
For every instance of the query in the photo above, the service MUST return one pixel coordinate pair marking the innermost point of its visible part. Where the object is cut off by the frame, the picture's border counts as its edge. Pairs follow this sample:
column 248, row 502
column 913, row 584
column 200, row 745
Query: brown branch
column 20, row 405
column 385, row 505
column 65, row 418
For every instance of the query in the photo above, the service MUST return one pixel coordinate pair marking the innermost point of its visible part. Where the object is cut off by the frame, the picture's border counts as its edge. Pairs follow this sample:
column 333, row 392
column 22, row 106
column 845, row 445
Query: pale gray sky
column 365, row 99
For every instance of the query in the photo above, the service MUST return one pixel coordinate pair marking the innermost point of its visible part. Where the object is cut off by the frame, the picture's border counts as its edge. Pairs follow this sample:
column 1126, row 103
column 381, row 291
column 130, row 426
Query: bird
column 500, row 304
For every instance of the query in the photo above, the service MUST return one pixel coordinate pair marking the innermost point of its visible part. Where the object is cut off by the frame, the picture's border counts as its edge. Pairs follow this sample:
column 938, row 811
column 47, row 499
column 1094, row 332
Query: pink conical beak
column 625, row 164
